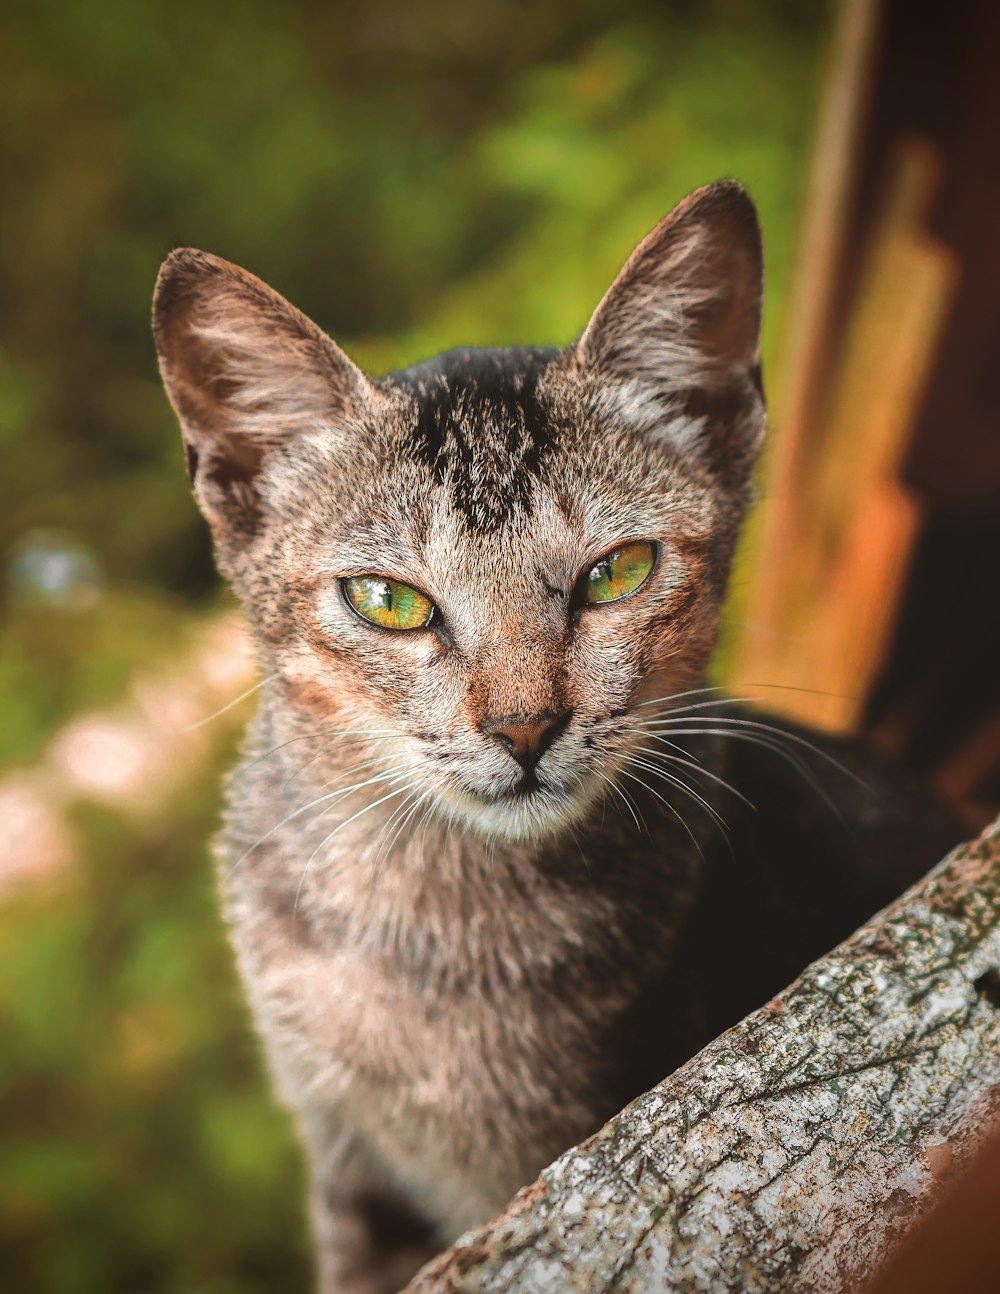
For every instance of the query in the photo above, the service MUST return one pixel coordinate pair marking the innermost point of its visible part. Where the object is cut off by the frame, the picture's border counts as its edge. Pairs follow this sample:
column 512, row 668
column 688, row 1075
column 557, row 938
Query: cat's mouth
column 531, row 809
column 528, row 787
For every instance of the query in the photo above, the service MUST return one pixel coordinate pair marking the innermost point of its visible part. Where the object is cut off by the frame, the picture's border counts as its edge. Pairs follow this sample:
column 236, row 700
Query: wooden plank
column 806, row 339
column 840, row 546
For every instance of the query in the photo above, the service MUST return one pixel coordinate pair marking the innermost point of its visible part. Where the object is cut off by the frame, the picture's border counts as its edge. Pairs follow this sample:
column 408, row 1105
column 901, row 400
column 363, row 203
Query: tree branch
column 800, row 1145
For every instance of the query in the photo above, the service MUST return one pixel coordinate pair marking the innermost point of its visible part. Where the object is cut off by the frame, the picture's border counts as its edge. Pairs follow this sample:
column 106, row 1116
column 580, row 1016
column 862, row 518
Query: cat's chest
column 420, row 983
column 472, row 1063
column 426, row 965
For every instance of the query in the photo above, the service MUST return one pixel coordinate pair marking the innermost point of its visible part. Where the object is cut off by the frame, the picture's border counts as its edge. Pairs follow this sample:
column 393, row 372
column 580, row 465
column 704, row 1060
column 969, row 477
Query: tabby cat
column 496, row 860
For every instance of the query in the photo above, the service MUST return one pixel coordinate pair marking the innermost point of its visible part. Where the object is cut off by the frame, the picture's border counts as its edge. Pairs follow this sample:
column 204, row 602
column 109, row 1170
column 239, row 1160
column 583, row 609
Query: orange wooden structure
column 875, row 602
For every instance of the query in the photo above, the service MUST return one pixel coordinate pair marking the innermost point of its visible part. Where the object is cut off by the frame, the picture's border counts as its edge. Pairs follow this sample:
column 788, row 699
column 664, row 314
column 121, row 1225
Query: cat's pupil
column 382, row 595
column 602, row 571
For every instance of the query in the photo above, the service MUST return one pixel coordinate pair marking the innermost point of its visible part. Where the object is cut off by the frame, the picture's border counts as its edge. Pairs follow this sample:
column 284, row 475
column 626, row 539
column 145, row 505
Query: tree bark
column 795, row 1150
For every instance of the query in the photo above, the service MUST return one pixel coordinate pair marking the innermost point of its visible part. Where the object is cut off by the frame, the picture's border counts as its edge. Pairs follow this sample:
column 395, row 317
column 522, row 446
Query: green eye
column 621, row 571
column 388, row 603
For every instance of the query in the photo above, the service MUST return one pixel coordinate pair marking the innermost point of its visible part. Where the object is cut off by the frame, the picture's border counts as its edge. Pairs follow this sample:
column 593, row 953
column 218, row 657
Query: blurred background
column 415, row 176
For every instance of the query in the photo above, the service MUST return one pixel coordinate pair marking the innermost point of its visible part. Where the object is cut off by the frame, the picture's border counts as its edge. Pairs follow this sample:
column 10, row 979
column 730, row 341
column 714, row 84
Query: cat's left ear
column 677, row 334
column 246, row 372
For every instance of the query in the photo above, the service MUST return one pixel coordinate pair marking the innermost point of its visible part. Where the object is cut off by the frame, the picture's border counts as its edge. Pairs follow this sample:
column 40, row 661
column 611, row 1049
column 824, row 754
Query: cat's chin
column 520, row 817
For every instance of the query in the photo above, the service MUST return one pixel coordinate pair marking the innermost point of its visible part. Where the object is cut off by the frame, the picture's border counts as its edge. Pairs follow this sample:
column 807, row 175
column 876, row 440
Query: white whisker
column 773, row 745
column 377, row 734
column 192, row 727
column 673, row 808
column 308, row 736
column 355, row 768
column 628, row 802
column 406, row 811
column 679, row 696
column 679, row 782
column 695, row 765
column 401, row 790
column 777, row 733
column 321, row 799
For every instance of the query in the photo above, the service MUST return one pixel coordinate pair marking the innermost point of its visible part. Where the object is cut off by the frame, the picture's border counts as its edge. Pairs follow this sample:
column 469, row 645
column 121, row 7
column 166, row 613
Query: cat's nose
column 527, row 739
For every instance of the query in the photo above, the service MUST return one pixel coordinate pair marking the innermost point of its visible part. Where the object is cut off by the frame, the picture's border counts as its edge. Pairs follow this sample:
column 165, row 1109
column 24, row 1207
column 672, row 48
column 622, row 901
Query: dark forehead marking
column 480, row 427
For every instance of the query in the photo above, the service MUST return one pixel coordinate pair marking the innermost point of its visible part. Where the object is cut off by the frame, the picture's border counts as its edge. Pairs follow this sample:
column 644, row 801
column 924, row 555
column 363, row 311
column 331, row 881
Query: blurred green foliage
column 414, row 176
column 139, row 1151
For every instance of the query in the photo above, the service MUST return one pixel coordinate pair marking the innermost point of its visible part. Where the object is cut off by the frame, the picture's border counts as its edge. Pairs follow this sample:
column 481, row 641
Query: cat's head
column 492, row 559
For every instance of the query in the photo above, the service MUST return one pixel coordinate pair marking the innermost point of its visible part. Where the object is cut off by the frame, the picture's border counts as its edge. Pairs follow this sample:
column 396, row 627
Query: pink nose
column 527, row 739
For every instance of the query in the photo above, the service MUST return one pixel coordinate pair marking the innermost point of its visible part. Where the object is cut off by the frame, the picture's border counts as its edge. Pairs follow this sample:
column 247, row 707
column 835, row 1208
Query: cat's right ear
column 677, row 336
column 245, row 372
